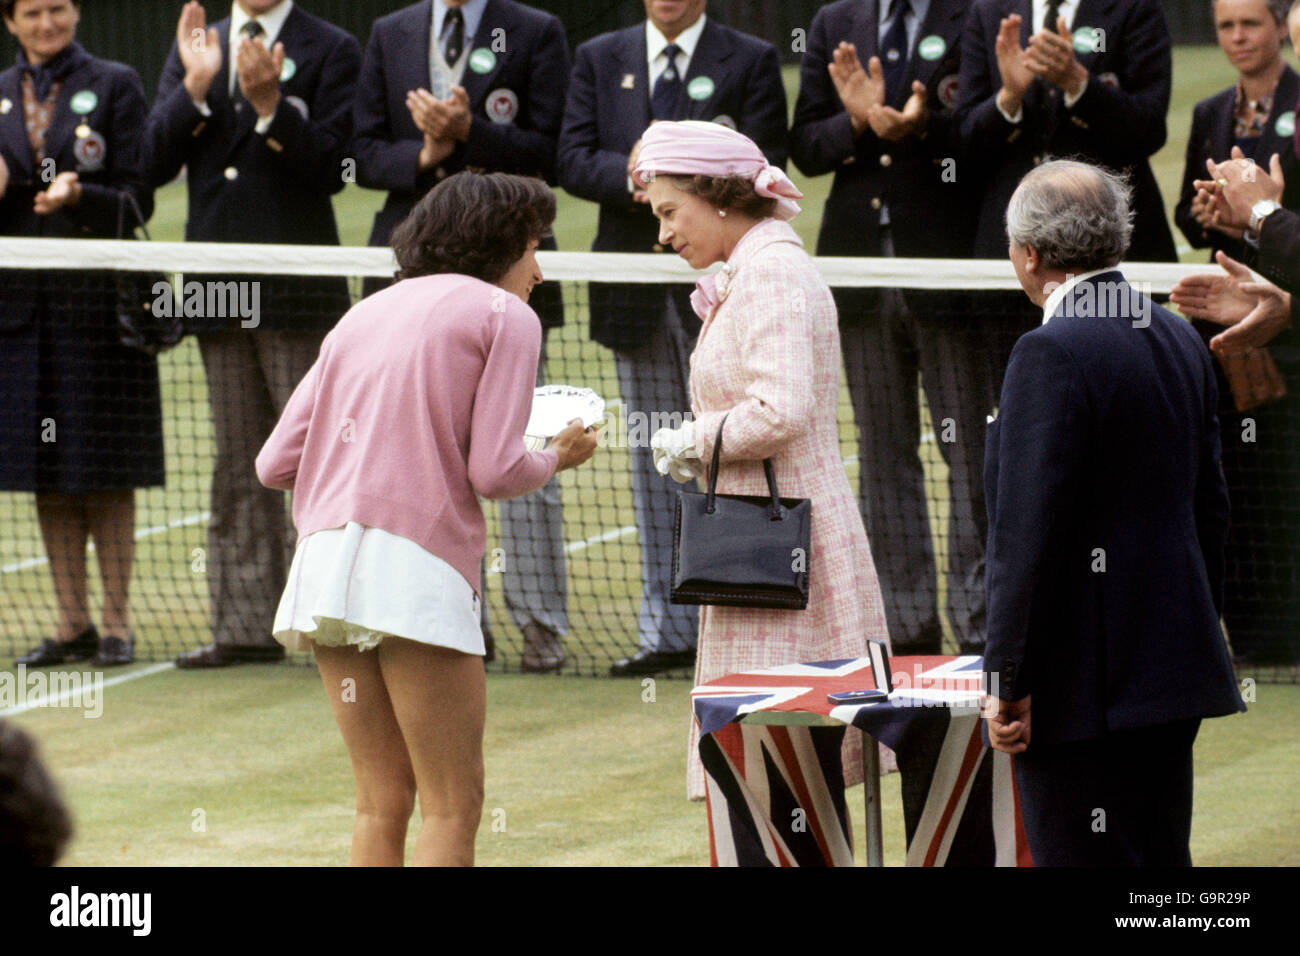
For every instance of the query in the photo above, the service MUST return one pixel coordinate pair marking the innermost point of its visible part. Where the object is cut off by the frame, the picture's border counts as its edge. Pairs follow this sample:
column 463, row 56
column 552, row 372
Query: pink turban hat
column 695, row 148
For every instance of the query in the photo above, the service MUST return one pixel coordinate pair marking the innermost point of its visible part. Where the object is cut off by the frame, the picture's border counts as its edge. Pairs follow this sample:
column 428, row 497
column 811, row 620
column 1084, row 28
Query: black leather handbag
column 741, row 550
column 138, row 327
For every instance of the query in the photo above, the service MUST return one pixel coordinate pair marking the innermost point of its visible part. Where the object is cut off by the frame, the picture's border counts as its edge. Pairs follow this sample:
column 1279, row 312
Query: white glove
column 675, row 454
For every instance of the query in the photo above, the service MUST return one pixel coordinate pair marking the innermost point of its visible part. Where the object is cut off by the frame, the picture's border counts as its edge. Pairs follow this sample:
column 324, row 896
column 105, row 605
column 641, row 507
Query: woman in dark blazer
column 81, row 424
column 1257, row 114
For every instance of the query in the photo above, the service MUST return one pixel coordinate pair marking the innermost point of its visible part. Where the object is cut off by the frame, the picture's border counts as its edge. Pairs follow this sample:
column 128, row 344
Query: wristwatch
column 1261, row 211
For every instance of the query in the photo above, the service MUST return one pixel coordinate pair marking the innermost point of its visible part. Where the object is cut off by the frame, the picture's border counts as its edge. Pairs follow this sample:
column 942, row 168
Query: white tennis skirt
column 357, row 585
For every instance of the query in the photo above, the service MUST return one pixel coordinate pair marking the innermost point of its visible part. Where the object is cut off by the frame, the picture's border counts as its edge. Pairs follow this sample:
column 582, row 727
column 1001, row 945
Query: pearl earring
column 722, row 213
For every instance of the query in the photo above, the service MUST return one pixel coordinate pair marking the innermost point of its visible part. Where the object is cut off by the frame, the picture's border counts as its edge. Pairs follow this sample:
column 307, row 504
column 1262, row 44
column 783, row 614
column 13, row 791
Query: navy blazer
column 272, row 188
column 516, row 106
column 607, row 110
column 1119, row 122
column 106, row 161
column 918, row 177
column 1211, row 138
column 1108, row 513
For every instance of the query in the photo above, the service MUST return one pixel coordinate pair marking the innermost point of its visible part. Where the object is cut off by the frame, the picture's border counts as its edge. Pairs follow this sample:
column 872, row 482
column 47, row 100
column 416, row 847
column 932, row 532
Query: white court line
column 142, row 533
column 67, row 694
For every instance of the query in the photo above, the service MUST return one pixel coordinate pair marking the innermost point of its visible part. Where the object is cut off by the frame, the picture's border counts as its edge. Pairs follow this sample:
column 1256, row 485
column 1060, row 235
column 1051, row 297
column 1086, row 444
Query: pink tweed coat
column 768, row 358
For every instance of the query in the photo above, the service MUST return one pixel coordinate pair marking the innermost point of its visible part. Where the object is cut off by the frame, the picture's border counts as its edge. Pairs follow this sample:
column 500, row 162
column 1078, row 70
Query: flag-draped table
column 770, row 743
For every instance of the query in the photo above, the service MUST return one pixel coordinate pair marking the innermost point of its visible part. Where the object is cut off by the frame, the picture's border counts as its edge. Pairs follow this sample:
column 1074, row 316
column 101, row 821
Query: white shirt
column 656, row 42
column 442, row 75
column 1059, row 293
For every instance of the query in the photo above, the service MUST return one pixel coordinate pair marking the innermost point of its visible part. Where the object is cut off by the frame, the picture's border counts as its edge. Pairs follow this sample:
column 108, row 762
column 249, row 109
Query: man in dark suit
column 1088, row 79
column 676, row 65
column 887, row 132
column 1107, row 515
column 258, row 110
column 489, row 95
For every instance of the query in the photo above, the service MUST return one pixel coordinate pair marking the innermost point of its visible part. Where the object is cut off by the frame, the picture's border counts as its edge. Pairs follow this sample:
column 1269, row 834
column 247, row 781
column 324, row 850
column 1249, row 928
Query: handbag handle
column 123, row 198
column 778, row 511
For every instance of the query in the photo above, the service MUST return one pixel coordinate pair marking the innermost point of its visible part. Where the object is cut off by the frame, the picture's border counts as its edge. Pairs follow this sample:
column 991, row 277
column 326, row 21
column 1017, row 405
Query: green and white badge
column 931, row 47
column 1285, row 125
column 83, row 102
column 482, row 60
column 287, row 70
column 700, row 88
column 1089, row 40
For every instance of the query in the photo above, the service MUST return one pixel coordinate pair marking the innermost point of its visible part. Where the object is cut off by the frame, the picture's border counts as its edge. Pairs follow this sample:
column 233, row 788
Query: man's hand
column 1236, row 185
column 199, row 47
column 1203, row 212
column 259, row 74
column 1051, row 56
column 442, row 119
column 64, row 191
column 1008, row 724
column 1016, row 75
column 575, row 445
column 433, row 152
column 858, row 89
column 1255, row 312
column 889, row 124
column 4, row 177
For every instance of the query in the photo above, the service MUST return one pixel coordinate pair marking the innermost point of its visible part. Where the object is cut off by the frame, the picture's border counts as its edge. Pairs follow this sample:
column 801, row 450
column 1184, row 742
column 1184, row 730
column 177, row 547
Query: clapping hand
column 447, row 119
column 259, row 74
column 858, row 89
column 1051, row 56
column 64, row 191
column 199, row 47
column 1254, row 311
column 1236, row 185
column 889, row 124
column 1012, row 65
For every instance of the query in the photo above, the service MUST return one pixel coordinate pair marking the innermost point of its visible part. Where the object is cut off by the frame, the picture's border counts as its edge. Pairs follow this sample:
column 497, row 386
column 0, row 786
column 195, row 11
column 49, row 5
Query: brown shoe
column 543, row 653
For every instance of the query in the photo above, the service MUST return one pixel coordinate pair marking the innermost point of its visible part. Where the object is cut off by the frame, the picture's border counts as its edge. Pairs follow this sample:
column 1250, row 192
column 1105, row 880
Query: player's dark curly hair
column 476, row 224
column 726, row 192
column 34, row 823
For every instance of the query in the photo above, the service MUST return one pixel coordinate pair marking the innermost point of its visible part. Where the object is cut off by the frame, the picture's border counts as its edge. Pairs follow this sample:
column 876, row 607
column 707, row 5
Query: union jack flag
column 770, row 743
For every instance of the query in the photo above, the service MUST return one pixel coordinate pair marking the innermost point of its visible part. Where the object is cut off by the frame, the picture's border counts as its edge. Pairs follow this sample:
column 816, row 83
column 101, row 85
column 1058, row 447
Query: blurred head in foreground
column 34, row 823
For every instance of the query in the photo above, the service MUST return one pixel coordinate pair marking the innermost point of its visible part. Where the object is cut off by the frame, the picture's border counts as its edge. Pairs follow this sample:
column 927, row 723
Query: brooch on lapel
column 722, row 281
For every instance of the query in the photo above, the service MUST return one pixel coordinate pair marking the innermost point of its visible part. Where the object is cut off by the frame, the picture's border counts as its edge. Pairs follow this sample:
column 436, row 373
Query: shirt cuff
column 202, row 107
column 1071, row 100
column 1014, row 120
column 263, row 124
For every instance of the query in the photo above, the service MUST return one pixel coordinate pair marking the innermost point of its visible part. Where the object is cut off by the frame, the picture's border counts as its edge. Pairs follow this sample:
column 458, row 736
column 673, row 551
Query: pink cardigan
column 418, row 400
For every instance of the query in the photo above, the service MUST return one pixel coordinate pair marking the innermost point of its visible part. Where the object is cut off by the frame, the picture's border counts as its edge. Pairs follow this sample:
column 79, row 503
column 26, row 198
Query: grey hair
column 1075, row 215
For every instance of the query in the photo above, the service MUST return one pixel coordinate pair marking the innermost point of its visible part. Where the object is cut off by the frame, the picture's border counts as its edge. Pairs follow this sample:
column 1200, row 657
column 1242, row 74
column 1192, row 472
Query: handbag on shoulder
column 138, row 327
column 741, row 550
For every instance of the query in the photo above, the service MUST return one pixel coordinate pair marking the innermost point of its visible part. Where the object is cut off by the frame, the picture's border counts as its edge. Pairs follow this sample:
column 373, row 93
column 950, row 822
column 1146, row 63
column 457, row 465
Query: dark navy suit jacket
column 276, row 188
column 918, row 177
column 1107, row 518
column 530, row 63
column 1119, row 122
column 607, row 110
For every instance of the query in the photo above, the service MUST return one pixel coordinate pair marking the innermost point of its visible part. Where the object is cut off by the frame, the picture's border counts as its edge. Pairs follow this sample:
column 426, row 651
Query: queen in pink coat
column 768, row 359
